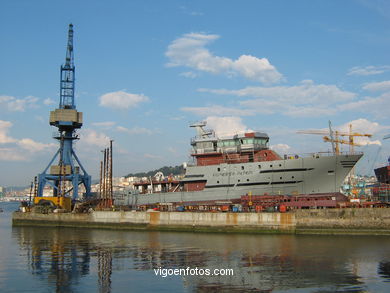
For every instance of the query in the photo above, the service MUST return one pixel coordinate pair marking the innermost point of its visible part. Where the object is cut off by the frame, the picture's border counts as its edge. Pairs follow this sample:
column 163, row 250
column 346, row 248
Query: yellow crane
column 332, row 136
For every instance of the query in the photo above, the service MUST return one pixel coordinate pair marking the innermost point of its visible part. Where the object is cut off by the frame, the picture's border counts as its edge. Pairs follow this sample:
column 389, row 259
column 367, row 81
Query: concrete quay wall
column 343, row 221
column 325, row 221
column 174, row 221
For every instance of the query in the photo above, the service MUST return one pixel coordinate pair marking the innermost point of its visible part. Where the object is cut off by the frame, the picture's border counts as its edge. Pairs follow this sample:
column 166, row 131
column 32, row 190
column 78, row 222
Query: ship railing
column 234, row 160
column 318, row 154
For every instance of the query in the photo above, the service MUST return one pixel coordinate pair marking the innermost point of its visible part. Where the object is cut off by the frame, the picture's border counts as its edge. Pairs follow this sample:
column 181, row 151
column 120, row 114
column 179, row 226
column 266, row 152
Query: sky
column 146, row 70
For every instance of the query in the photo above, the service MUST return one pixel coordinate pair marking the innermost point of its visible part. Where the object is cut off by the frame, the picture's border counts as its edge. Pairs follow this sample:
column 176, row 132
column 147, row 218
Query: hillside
column 166, row 170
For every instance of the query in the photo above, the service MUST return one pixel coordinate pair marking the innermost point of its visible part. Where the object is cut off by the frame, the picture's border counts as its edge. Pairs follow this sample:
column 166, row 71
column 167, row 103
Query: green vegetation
column 166, row 170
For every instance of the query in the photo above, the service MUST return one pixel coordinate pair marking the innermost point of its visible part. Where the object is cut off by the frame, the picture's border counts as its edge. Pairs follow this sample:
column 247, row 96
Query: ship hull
column 228, row 182
column 383, row 174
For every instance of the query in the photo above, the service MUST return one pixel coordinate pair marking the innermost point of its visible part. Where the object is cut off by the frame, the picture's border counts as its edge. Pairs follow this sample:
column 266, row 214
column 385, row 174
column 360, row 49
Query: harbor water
column 41, row 259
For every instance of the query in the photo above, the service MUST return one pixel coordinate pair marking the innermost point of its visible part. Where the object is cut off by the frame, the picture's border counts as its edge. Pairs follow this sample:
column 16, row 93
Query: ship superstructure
column 225, row 169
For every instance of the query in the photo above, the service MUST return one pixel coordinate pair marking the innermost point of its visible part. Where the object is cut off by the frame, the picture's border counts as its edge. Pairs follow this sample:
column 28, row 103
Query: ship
column 225, row 169
column 383, row 173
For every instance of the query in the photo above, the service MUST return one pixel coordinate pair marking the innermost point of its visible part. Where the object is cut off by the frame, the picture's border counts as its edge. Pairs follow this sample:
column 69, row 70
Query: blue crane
column 66, row 175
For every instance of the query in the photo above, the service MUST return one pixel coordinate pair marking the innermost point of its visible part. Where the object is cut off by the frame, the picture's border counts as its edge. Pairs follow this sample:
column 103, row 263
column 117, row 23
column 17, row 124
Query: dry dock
column 370, row 221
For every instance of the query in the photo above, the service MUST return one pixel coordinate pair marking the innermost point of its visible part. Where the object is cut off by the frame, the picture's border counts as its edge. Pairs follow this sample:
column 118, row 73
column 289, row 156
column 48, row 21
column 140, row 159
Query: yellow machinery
column 60, row 201
column 335, row 140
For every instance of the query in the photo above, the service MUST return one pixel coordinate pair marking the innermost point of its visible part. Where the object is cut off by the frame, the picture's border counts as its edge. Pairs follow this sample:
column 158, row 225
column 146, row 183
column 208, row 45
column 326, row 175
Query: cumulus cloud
column 306, row 93
column 359, row 126
column 364, row 126
column 17, row 105
column 373, row 105
column 226, row 126
column 151, row 156
column 190, row 51
column 377, row 86
column 105, row 124
column 134, row 130
column 48, row 101
column 368, row 70
column 122, row 100
column 4, row 128
column 19, row 149
column 218, row 110
column 304, row 100
column 10, row 154
column 257, row 69
column 33, row 146
column 90, row 137
column 281, row 148
column 189, row 74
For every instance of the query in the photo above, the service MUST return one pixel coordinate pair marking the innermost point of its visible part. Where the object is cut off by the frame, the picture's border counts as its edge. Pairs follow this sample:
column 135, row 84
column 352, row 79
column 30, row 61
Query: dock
column 369, row 221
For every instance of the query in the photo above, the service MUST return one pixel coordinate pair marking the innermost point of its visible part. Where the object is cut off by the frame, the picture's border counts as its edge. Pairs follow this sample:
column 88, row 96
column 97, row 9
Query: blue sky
column 146, row 69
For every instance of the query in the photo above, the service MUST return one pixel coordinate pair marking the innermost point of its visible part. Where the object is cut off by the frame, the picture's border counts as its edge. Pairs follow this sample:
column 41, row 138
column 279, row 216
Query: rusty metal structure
column 106, row 187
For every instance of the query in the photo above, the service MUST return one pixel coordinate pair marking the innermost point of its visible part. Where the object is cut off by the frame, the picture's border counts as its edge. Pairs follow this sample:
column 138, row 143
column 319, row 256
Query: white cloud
column 33, row 146
column 226, row 126
column 17, row 105
column 368, row 70
column 377, row 86
column 304, row 100
column 39, row 118
column 189, row 74
column 190, row 51
column 10, row 154
column 359, row 126
column 91, row 137
column 154, row 157
column 4, row 128
column 305, row 93
column 48, row 101
column 19, row 149
column 218, row 110
column 134, row 130
column 374, row 105
column 172, row 150
column 122, row 100
column 257, row 69
column 281, row 148
column 106, row 124
column 176, row 118
column 364, row 126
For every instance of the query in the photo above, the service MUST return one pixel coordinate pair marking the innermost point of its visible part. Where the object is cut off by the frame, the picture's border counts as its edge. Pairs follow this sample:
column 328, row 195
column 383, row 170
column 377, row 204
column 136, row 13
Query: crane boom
column 334, row 147
column 334, row 137
column 68, row 76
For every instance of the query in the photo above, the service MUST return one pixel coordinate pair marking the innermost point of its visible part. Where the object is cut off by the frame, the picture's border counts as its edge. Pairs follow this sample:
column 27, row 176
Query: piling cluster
column 106, row 188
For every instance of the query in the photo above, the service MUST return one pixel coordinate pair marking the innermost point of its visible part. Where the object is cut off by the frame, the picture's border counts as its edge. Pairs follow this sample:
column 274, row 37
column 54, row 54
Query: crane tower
column 67, row 173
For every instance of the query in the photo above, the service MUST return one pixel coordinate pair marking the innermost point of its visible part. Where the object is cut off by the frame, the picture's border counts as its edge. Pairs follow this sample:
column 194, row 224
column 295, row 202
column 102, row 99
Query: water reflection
column 384, row 270
column 104, row 269
column 69, row 260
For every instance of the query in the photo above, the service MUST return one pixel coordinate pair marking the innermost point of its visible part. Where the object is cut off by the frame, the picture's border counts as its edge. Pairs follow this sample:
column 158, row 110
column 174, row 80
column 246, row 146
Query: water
column 34, row 259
